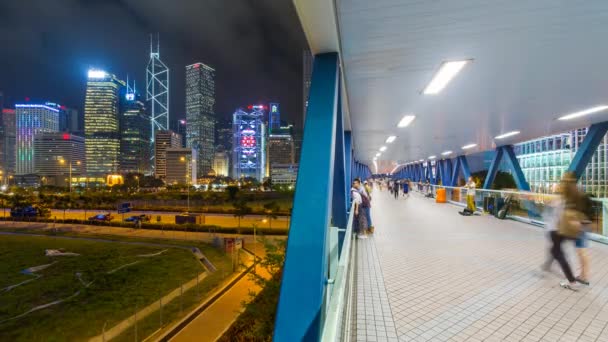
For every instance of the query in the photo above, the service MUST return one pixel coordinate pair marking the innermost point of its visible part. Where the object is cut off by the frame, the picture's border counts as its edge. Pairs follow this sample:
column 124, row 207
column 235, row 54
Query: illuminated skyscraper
column 157, row 91
column 249, row 153
column 274, row 118
column 8, row 142
column 59, row 155
column 200, row 116
column 101, row 123
column 135, row 134
column 307, row 59
column 32, row 119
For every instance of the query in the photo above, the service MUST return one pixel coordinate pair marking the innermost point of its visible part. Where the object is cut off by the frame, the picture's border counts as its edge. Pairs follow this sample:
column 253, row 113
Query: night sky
column 47, row 46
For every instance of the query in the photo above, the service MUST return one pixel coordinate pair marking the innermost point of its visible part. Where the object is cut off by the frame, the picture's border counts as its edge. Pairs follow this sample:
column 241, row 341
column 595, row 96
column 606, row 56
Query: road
column 221, row 220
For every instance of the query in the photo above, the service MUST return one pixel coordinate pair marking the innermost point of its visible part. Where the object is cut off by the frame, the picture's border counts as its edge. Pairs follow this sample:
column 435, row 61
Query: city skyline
column 120, row 44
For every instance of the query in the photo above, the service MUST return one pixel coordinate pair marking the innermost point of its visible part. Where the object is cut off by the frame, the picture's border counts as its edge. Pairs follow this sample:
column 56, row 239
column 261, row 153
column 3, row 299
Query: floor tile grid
column 497, row 324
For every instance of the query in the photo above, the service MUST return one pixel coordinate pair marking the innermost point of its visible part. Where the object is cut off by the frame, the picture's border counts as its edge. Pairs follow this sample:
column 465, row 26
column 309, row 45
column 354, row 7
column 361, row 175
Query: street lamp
column 187, row 159
column 62, row 162
column 137, row 177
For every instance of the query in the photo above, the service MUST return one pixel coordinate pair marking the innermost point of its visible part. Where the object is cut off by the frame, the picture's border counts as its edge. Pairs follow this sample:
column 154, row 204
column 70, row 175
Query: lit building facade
column 274, row 118
column 307, row 60
column 135, row 136
column 221, row 164
column 545, row 160
column 8, row 142
column 55, row 154
column 200, row 115
column 157, row 92
column 31, row 120
column 284, row 174
column 249, row 150
column 164, row 140
column 181, row 166
column 101, row 123
column 281, row 149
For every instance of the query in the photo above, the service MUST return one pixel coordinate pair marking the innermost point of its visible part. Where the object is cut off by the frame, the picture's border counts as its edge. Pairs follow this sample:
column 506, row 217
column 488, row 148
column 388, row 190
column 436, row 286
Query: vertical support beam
column 447, row 166
column 518, row 174
column 348, row 148
column 487, row 184
column 302, row 296
column 340, row 193
column 583, row 155
column 430, row 168
column 464, row 165
column 455, row 172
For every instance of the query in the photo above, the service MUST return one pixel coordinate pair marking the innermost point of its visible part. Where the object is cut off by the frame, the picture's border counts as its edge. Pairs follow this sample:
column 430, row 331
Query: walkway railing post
column 302, row 296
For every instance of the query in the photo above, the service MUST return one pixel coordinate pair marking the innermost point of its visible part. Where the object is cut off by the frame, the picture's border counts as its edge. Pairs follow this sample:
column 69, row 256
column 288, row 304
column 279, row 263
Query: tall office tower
column 223, row 136
column 157, row 92
column 274, row 118
column 307, row 60
column 181, row 165
column 8, row 142
column 281, row 149
column 249, row 152
column 32, row 119
column 162, row 141
column 75, row 122
column 101, row 123
column 135, row 135
column 179, row 126
column 221, row 164
column 59, row 155
column 200, row 116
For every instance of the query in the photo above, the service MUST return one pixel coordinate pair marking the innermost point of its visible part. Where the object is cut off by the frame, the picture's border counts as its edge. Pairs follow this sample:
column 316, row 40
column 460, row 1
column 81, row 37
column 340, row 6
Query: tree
column 241, row 209
column 271, row 209
column 232, row 192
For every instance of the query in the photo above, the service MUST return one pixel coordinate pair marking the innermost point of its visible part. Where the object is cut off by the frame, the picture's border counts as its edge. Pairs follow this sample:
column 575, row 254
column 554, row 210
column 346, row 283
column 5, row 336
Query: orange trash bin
column 440, row 196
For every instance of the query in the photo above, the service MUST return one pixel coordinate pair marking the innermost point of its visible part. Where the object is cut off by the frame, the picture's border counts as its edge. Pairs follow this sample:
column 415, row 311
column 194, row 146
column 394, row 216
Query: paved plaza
column 430, row 274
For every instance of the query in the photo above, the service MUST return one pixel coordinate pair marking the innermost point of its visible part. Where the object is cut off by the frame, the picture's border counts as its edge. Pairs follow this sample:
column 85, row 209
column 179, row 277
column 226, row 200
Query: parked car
column 101, row 218
column 138, row 218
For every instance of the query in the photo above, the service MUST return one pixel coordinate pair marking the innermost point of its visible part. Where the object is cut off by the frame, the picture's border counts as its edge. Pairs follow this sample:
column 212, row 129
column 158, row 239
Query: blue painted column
column 447, row 166
column 455, row 172
column 464, row 165
column 518, row 174
column 300, row 313
column 585, row 151
column 340, row 197
column 348, row 160
column 487, row 184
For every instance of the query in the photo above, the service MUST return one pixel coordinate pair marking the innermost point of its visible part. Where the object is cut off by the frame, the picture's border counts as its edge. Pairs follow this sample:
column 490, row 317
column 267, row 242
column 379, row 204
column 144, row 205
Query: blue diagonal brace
column 487, row 183
column 300, row 311
column 518, row 174
column 585, row 152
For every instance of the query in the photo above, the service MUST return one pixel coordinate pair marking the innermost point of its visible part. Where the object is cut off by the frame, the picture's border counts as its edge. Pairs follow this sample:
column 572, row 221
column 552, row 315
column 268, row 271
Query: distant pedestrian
column 396, row 189
column 406, row 188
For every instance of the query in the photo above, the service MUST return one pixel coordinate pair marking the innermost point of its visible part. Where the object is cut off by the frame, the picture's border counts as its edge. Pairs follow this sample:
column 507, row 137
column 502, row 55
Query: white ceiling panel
column 533, row 61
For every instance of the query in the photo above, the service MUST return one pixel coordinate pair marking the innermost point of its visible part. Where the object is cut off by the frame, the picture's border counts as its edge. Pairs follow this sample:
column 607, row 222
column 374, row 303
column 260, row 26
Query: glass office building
column 200, row 115
column 32, row 120
column 101, row 123
column 249, row 150
column 135, row 136
column 545, row 160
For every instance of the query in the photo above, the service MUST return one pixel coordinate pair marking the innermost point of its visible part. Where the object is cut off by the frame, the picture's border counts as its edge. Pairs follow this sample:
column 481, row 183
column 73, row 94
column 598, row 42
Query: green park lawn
column 111, row 296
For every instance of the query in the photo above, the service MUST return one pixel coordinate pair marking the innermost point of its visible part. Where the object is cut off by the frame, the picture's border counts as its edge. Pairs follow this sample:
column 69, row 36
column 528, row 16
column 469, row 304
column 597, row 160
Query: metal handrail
column 336, row 306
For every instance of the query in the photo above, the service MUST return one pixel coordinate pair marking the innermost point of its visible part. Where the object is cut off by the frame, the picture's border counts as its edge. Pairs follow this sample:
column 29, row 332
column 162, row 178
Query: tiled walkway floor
column 430, row 274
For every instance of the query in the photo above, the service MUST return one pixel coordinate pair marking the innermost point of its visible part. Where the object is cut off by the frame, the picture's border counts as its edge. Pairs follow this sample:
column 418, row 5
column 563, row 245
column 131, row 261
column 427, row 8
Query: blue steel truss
column 583, row 155
column 513, row 163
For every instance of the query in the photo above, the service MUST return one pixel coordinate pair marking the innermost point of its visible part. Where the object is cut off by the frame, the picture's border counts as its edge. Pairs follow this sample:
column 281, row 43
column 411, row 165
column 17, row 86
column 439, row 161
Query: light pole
column 188, row 165
column 62, row 162
column 137, row 177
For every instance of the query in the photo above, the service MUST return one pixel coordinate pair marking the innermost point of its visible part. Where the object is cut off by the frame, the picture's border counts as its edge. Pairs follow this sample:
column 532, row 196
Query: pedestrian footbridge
column 415, row 90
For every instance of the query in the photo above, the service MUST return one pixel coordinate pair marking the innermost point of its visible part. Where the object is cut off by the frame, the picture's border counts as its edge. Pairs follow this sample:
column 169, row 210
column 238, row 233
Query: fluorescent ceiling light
column 390, row 139
column 588, row 111
column 378, row 154
column 421, row 160
column 506, row 135
column 432, row 157
column 383, row 148
column 406, row 121
column 466, row 147
column 446, row 73
column 446, row 153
